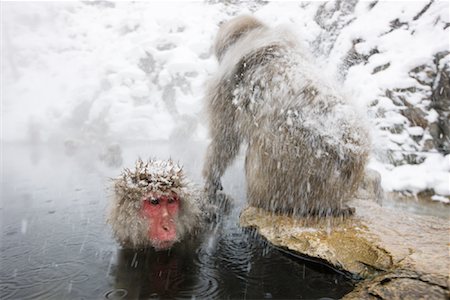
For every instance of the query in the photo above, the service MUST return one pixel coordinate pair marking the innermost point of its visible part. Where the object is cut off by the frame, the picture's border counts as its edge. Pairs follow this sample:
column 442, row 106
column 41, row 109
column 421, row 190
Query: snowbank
column 432, row 174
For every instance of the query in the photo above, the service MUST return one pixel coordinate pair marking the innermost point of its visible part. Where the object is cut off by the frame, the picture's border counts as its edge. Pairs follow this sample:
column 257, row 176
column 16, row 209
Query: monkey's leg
column 221, row 152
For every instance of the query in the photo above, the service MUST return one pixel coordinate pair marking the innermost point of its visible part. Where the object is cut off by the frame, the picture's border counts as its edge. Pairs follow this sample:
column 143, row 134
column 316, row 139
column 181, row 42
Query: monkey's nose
column 165, row 227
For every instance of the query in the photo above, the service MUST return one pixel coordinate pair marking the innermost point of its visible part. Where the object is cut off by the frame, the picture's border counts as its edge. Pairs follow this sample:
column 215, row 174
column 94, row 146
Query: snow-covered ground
column 106, row 73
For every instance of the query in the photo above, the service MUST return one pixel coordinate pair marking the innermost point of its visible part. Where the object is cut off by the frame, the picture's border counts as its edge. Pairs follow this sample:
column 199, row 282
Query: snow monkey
column 154, row 205
column 307, row 147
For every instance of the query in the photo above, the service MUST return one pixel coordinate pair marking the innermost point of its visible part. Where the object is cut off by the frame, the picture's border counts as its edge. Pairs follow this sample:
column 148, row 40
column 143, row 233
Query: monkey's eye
column 154, row 201
column 171, row 200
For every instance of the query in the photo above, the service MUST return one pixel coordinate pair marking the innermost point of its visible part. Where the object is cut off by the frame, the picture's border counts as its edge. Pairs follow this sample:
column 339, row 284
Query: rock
column 440, row 101
column 399, row 255
column 428, row 145
column 425, row 104
column 381, row 68
column 424, row 74
column 354, row 58
column 332, row 17
column 400, row 285
column 416, row 116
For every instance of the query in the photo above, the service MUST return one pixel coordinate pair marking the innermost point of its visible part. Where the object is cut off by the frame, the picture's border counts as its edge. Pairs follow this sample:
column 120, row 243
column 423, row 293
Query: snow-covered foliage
column 105, row 71
column 109, row 72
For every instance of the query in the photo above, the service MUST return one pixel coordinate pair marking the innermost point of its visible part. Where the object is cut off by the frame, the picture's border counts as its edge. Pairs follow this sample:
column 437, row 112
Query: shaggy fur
column 164, row 177
column 307, row 147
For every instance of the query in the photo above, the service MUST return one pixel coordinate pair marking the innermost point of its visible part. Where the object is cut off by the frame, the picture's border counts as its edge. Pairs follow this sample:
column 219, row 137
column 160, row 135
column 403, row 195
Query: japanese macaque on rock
column 154, row 205
column 307, row 147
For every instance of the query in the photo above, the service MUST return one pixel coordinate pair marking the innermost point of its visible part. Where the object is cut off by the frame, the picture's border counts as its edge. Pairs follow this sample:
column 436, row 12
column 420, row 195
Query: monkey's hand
column 217, row 207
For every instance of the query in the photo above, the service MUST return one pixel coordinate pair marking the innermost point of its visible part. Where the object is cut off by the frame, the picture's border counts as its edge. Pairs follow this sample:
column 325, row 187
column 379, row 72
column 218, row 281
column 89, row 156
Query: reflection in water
column 419, row 205
column 55, row 243
column 146, row 273
column 242, row 266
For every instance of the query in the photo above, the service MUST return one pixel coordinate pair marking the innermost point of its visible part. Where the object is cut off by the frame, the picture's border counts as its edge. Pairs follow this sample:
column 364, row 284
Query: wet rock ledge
column 398, row 255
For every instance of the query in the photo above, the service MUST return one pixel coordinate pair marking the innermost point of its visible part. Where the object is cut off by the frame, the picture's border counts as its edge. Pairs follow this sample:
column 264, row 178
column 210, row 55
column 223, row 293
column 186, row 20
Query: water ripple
column 116, row 294
column 8, row 289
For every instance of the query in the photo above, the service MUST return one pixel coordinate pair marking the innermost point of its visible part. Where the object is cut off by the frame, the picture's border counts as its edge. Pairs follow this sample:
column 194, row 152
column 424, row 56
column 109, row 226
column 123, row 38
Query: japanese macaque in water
column 307, row 147
column 154, row 205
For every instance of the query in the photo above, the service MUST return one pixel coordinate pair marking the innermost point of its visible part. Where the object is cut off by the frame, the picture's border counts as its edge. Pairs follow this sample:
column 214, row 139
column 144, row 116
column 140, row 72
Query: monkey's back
column 307, row 146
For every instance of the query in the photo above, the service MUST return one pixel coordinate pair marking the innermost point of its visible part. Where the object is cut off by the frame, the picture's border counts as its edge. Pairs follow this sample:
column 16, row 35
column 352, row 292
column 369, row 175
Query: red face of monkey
column 162, row 212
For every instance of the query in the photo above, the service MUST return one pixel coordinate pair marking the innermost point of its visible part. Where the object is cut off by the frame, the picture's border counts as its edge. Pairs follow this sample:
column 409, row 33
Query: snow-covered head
column 232, row 30
column 153, row 205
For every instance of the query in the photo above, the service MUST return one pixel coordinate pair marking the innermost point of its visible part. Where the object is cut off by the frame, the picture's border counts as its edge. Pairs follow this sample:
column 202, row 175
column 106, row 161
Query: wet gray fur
column 307, row 146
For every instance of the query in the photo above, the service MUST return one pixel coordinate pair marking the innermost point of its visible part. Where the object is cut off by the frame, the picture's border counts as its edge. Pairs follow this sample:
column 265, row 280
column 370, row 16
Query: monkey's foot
column 345, row 211
column 221, row 201
column 217, row 206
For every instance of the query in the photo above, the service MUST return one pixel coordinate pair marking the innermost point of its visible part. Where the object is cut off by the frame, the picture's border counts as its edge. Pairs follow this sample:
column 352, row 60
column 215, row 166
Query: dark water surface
column 55, row 243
